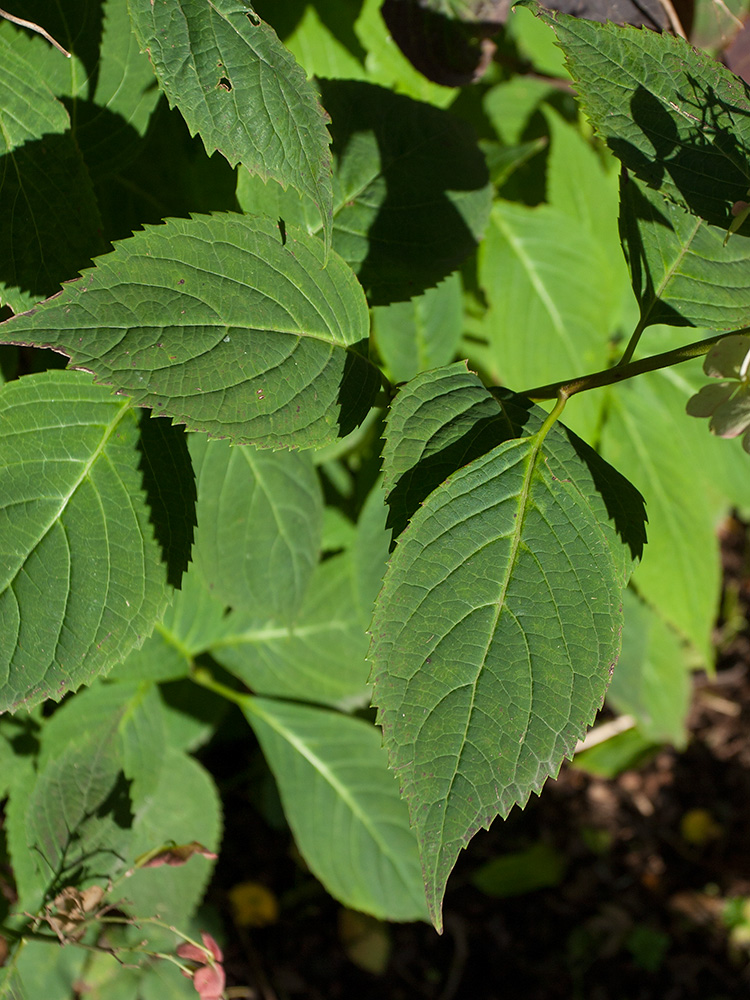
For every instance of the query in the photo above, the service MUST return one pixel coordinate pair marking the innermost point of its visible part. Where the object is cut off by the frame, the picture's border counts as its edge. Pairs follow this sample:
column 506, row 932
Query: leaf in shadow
column 169, row 485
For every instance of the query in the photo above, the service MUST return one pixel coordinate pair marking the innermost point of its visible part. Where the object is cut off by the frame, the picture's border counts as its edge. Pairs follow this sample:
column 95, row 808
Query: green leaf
column 46, row 970
column 261, row 520
column 49, row 221
column 676, row 118
column 133, row 712
column 324, row 42
column 486, row 671
column 420, row 334
column 81, row 580
column 381, row 142
column 582, row 183
column 652, row 680
column 682, row 272
column 648, row 438
column 184, row 807
column 370, row 553
column 241, row 90
column 78, row 815
column 550, row 314
column 320, row 656
column 342, row 805
column 388, row 66
column 244, row 335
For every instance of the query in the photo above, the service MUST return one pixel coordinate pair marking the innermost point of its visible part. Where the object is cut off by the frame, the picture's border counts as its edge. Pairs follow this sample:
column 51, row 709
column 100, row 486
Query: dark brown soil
column 654, row 858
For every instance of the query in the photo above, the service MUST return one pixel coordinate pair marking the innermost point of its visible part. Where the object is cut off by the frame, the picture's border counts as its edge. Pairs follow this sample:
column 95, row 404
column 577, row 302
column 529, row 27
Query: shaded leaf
column 184, row 807
column 241, row 90
column 78, row 816
column 81, row 582
column 49, row 221
column 251, row 342
column 648, row 437
column 675, row 117
column 682, row 272
column 261, row 518
column 342, row 805
column 381, row 142
column 652, row 679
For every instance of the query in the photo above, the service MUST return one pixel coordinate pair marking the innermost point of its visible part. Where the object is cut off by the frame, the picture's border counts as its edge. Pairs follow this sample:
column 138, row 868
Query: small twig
column 674, row 21
column 605, row 731
column 610, row 376
column 34, row 27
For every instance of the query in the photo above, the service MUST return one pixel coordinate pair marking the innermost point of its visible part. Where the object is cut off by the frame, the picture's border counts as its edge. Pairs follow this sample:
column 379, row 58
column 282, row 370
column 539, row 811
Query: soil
column 650, row 904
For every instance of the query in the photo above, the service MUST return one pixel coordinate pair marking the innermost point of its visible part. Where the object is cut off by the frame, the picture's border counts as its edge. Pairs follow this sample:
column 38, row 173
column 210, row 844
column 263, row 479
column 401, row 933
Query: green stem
column 205, row 678
column 632, row 343
column 621, row 372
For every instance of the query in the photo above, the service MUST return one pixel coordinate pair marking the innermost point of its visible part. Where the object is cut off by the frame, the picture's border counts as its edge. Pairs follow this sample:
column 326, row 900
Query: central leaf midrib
column 70, row 493
column 515, row 536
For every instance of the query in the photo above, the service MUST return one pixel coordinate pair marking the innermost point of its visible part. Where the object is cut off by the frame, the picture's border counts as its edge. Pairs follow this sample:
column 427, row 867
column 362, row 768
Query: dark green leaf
column 679, row 120
column 682, row 272
column 241, row 90
column 381, row 143
column 486, row 669
column 81, row 580
column 220, row 323
column 49, row 221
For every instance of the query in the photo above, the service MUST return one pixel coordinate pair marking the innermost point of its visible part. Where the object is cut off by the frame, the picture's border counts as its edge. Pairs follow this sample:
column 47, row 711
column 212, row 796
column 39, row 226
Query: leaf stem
column 621, row 372
column 204, row 677
column 633, row 342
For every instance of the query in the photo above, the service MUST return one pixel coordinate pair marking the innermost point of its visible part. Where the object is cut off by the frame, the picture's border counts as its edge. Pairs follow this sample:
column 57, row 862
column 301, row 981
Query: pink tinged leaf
column 705, row 402
column 192, row 953
column 209, row 981
column 174, row 855
column 212, row 946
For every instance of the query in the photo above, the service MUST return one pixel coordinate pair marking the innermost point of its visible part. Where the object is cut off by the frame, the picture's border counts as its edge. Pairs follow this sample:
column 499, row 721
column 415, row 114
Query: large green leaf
column 261, row 516
column 651, row 681
column 319, row 656
column 498, row 623
column 682, row 272
column 582, row 183
column 49, row 221
column 184, row 807
column 81, row 577
column 676, row 118
column 241, row 90
column 550, row 313
column 342, row 805
column 381, row 143
column 223, row 324
column 648, row 438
